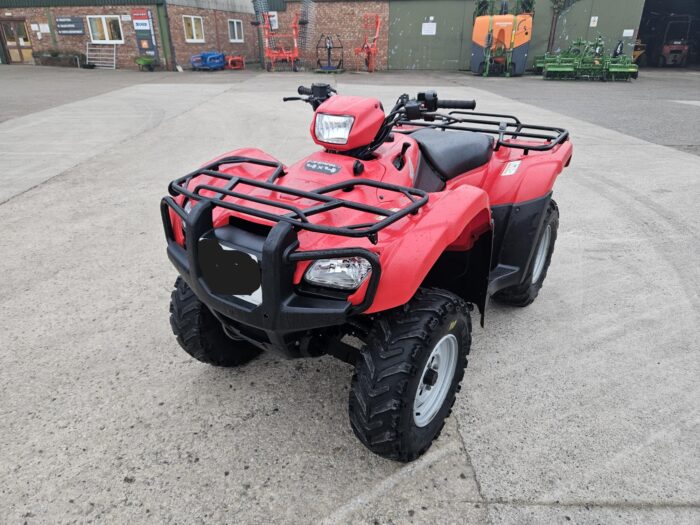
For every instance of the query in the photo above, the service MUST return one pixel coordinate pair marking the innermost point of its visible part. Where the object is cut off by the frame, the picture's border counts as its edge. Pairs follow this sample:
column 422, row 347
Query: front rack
column 504, row 126
column 297, row 217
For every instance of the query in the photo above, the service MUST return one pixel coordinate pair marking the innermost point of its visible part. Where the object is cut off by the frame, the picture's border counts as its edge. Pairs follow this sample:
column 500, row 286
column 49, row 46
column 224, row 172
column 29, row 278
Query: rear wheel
column 408, row 376
column 526, row 292
column 200, row 334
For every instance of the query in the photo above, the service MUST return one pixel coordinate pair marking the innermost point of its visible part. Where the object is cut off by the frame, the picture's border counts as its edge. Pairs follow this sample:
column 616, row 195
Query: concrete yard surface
column 581, row 408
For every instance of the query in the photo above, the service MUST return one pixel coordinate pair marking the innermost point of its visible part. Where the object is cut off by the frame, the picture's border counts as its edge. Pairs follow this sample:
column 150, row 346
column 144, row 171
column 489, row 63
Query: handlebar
column 423, row 107
column 316, row 95
column 456, row 104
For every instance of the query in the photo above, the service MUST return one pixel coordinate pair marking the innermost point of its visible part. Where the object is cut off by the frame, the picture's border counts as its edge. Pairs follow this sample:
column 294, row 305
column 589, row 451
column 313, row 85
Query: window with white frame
column 194, row 29
column 235, row 30
column 105, row 29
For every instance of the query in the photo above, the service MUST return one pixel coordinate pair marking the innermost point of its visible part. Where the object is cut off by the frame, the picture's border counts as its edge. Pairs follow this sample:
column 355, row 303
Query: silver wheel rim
column 541, row 255
column 439, row 370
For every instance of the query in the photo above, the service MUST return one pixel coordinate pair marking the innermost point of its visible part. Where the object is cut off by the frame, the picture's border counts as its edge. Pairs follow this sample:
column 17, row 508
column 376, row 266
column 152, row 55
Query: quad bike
column 374, row 250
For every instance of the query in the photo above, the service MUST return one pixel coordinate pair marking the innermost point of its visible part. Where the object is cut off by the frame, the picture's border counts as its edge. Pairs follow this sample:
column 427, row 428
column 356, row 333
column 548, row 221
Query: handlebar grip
column 456, row 104
column 304, row 91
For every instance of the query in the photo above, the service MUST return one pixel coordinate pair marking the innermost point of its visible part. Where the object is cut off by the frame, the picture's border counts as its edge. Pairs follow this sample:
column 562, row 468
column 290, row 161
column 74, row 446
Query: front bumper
column 284, row 310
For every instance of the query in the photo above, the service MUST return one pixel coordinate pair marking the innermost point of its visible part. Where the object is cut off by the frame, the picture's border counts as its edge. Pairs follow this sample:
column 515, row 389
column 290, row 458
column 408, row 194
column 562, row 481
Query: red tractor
column 374, row 249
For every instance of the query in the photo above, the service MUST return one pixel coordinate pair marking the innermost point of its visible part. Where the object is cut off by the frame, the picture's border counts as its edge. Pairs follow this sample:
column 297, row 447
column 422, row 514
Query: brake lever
column 291, row 99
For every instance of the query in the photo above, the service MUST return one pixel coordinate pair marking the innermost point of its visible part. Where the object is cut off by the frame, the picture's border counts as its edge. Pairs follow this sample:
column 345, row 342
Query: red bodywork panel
column 533, row 177
column 452, row 219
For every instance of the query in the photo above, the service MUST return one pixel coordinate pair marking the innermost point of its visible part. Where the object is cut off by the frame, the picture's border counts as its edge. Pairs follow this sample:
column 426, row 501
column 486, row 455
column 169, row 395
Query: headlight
column 333, row 129
column 343, row 274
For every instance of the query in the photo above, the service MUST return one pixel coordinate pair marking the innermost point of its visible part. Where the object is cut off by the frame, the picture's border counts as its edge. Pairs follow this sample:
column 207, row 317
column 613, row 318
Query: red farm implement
column 281, row 47
column 368, row 50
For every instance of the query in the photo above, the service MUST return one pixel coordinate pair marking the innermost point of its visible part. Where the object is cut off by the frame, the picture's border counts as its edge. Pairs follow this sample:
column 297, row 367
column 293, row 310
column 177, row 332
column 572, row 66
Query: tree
column 557, row 8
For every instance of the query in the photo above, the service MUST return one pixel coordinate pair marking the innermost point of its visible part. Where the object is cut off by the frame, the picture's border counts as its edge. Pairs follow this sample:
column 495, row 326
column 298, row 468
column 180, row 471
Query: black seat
column 452, row 153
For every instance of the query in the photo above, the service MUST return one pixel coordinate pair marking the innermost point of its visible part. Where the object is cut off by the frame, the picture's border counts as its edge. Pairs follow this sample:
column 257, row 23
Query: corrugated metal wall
column 450, row 47
column 412, row 44
column 613, row 18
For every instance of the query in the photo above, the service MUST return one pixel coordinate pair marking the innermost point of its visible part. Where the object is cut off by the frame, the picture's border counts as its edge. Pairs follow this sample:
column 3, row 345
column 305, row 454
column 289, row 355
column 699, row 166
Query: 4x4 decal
column 322, row 167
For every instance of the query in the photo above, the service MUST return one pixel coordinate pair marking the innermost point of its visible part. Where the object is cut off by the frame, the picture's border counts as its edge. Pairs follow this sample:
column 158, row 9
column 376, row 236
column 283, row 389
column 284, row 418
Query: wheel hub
column 436, row 380
column 430, row 378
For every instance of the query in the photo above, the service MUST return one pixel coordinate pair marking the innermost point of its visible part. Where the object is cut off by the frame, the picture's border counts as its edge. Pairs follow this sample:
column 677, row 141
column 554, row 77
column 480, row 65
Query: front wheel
column 200, row 334
column 525, row 293
column 408, row 376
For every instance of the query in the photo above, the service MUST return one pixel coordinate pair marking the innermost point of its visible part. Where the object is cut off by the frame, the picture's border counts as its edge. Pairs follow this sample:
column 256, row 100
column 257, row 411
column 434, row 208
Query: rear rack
column 504, row 127
column 297, row 217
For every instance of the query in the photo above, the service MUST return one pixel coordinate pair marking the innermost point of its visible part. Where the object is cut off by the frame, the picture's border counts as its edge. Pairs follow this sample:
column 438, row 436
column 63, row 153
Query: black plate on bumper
column 228, row 271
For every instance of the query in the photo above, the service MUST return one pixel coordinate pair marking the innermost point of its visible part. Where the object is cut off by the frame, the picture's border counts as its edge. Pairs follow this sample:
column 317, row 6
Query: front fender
column 406, row 262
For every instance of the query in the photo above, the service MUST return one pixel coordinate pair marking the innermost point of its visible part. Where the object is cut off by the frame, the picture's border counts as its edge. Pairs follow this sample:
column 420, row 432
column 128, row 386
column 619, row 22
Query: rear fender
column 532, row 178
column 446, row 223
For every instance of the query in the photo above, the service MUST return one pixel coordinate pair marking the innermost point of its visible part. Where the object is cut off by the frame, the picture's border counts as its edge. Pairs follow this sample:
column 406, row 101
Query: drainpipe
column 52, row 27
column 216, row 32
column 258, row 25
column 165, row 40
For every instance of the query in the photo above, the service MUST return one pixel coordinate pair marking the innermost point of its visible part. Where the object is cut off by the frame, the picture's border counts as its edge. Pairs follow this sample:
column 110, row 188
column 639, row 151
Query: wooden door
column 15, row 37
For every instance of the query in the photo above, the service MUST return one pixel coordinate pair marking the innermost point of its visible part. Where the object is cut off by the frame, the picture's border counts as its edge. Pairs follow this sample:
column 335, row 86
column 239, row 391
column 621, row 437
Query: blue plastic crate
column 208, row 61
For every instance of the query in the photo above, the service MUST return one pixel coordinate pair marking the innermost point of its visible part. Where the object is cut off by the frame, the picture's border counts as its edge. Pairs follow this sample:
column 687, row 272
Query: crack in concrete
column 341, row 514
column 471, row 463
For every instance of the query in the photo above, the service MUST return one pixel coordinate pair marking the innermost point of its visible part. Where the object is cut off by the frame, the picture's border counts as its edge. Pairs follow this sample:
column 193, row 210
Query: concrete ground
column 582, row 408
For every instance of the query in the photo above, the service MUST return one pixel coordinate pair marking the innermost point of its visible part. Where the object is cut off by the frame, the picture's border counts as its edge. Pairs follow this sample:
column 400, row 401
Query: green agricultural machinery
column 562, row 64
column 587, row 61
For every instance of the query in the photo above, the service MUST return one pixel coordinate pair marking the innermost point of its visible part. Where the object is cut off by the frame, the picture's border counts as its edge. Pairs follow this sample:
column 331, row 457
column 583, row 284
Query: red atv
column 373, row 250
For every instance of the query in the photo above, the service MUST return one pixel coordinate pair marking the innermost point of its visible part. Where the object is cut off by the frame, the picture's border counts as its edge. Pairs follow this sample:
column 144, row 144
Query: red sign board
column 139, row 14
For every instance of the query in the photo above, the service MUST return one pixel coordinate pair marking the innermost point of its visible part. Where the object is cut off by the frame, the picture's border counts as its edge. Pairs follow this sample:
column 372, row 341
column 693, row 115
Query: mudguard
column 452, row 220
column 519, row 203
column 524, row 178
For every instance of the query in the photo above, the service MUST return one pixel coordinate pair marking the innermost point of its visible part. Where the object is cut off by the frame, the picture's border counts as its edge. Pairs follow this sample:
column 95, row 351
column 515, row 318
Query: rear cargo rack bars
column 504, row 126
column 297, row 217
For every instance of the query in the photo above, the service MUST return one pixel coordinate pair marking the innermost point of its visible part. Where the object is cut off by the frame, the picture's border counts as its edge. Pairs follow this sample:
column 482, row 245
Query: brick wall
column 345, row 19
column 126, row 52
column 216, row 36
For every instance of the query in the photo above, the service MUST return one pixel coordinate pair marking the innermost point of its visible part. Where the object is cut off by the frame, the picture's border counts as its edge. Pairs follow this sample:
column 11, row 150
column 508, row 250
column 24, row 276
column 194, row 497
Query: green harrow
column 586, row 61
